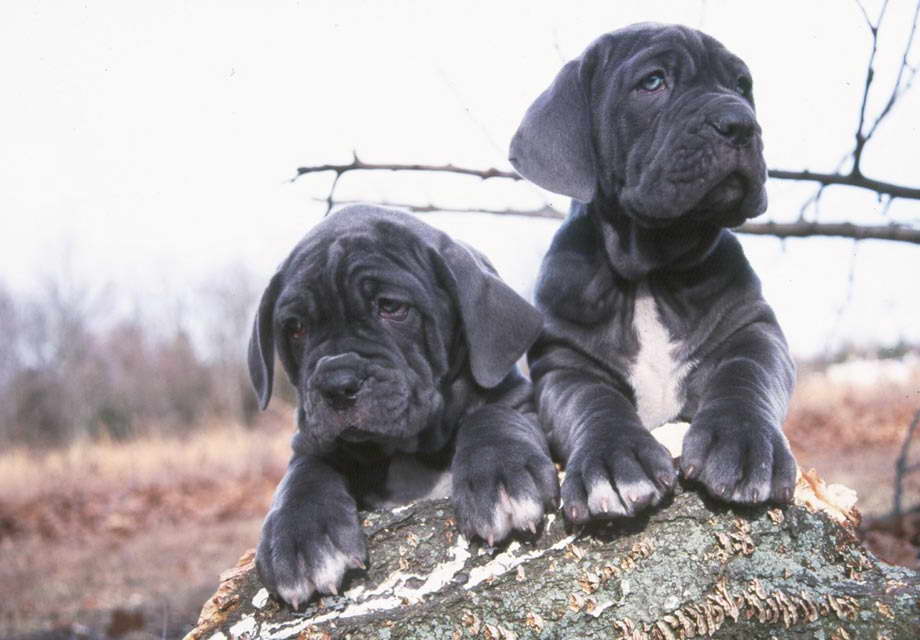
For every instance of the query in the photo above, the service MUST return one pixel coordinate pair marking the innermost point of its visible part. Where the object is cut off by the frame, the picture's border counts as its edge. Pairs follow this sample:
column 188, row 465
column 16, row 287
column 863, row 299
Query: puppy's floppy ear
column 552, row 147
column 262, row 343
column 498, row 324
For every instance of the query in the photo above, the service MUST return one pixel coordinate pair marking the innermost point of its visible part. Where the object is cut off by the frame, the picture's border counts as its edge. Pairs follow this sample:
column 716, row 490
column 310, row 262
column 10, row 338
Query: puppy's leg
column 613, row 466
column 311, row 534
column 502, row 474
column 735, row 446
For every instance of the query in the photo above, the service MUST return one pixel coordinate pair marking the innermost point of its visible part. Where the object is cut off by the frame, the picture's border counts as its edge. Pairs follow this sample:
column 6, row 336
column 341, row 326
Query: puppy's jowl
column 402, row 345
column 653, row 313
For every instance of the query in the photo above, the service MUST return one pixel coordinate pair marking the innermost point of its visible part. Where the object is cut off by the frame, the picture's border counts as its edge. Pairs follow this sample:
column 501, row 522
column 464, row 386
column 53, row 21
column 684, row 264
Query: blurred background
column 147, row 192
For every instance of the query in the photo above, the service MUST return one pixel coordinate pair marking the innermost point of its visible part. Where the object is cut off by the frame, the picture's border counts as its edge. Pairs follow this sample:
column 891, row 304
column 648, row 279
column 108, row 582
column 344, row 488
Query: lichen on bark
column 691, row 568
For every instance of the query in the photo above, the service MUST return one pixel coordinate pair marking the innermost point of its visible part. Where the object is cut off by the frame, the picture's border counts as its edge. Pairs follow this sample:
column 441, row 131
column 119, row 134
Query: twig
column 800, row 229
column 861, row 138
column 775, row 229
column 850, row 180
column 330, row 201
column 900, row 465
column 359, row 165
column 834, row 229
column 546, row 211
column 885, row 188
column 462, row 104
column 815, row 199
column 855, row 176
column 897, row 90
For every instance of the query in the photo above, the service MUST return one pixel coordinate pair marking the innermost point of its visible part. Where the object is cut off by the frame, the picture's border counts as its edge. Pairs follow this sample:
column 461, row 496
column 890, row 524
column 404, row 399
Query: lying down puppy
column 402, row 345
column 652, row 311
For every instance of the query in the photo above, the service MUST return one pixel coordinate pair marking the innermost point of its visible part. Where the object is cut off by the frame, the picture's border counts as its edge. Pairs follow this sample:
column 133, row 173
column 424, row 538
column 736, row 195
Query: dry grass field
column 126, row 540
column 849, row 423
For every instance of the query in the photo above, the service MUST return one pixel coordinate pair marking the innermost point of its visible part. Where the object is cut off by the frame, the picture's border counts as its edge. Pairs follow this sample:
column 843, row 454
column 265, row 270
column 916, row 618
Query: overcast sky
column 150, row 144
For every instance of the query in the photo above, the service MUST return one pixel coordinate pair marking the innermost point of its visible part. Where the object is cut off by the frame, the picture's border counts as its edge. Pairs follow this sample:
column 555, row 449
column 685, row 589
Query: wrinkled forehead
column 361, row 258
column 641, row 45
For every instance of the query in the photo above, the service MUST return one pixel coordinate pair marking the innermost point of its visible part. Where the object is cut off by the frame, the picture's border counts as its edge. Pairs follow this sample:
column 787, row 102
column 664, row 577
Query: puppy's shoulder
column 576, row 282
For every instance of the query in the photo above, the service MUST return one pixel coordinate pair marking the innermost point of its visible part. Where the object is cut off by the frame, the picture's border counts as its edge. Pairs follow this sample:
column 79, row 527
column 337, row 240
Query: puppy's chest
column 657, row 372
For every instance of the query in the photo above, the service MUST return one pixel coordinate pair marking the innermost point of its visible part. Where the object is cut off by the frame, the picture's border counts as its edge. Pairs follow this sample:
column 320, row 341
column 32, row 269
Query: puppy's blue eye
column 390, row 309
column 652, row 82
column 744, row 86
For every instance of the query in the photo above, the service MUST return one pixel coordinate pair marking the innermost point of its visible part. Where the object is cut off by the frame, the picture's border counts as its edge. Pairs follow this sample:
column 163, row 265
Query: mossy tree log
column 692, row 568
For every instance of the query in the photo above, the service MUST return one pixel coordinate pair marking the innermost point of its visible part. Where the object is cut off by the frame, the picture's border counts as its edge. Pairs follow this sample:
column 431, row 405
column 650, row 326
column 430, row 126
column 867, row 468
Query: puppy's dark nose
column 338, row 379
column 340, row 388
column 735, row 125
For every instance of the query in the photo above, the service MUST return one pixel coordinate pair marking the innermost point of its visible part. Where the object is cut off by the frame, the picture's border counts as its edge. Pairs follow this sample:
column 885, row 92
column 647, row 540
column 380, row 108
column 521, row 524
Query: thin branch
column 901, row 468
column 800, row 229
column 546, row 211
column 815, row 199
column 885, row 188
column 897, row 89
column 462, row 104
column 864, row 12
column 833, row 229
column 861, row 138
column 329, row 200
column 360, row 165
column 886, row 207
column 774, row 229
column 855, row 176
column 858, row 180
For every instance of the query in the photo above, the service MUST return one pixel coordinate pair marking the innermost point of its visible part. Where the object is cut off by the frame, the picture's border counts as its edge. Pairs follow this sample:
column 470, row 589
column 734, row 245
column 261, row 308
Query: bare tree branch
column 360, row 165
column 833, row 229
column 776, row 229
column 850, row 180
column 897, row 90
column 330, row 201
column 880, row 187
column 861, row 137
column 546, row 211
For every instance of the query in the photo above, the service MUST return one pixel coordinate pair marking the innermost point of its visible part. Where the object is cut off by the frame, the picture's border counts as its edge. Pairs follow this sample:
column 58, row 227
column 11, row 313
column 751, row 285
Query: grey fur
column 652, row 130
column 402, row 346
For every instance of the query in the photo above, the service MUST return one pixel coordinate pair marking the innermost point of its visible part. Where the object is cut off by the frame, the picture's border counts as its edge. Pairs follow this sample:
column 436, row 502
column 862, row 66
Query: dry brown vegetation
column 126, row 539
column 854, row 405
column 216, row 473
column 849, row 422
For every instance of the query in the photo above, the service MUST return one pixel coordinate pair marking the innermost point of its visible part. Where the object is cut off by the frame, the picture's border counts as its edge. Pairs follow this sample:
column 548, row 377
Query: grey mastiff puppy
column 401, row 344
column 653, row 312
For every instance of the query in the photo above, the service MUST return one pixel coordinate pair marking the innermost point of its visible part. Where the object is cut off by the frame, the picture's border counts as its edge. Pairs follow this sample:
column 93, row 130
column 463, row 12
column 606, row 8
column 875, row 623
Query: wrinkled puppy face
column 364, row 338
column 676, row 121
column 372, row 314
column 660, row 119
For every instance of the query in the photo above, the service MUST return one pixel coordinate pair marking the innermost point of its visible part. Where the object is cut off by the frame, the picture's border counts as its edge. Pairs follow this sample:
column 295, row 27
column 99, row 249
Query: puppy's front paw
column 307, row 548
column 500, row 486
column 611, row 476
column 742, row 461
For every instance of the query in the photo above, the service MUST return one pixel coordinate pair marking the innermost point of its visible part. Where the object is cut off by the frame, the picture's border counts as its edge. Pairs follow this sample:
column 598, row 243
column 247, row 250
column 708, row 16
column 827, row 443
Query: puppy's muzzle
column 733, row 124
column 339, row 379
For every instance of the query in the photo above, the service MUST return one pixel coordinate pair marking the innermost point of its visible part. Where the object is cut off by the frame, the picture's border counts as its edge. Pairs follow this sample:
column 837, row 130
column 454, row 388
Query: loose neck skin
column 635, row 251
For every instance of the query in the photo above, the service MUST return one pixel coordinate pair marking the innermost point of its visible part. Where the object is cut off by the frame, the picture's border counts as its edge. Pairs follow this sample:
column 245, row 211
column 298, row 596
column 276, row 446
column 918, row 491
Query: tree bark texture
column 691, row 568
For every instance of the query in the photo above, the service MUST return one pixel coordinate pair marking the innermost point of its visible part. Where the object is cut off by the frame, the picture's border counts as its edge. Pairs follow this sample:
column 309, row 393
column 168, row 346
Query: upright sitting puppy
column 653, row 313
column 402, row 345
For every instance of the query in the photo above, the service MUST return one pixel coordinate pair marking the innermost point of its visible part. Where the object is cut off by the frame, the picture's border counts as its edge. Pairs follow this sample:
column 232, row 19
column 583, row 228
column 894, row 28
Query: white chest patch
column 656, row 375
